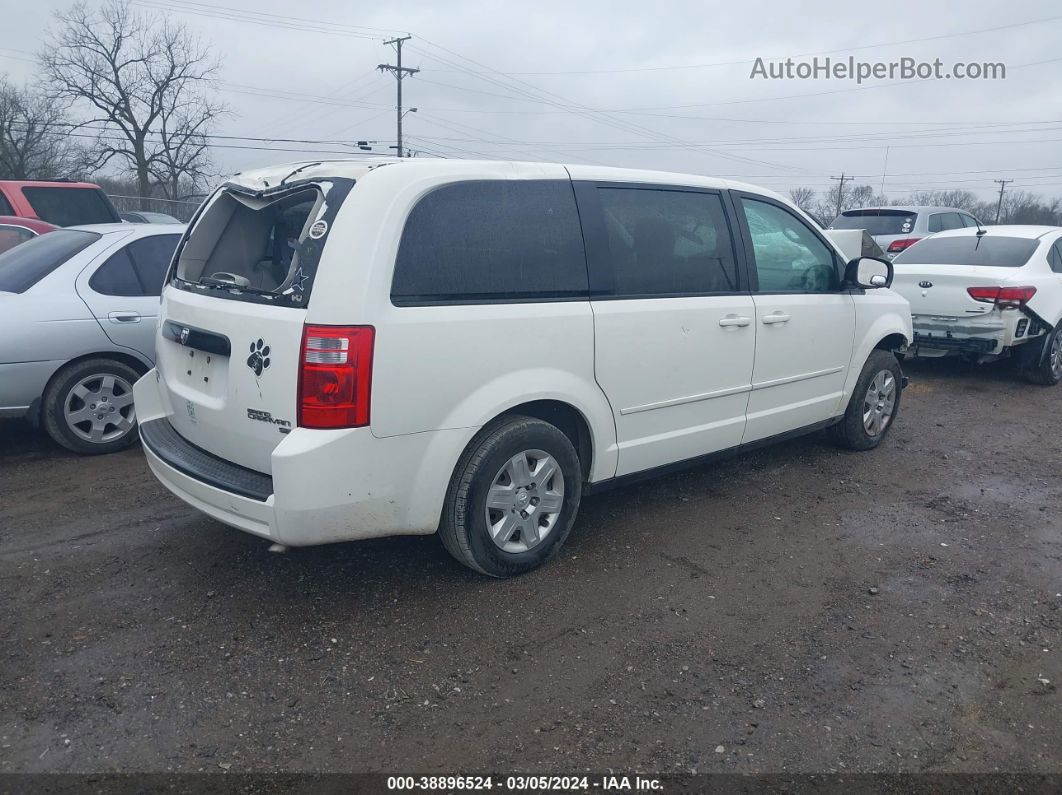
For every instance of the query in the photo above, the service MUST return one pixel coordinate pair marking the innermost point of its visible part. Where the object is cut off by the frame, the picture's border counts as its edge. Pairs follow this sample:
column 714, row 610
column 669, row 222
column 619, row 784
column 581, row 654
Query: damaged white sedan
column 986, row 293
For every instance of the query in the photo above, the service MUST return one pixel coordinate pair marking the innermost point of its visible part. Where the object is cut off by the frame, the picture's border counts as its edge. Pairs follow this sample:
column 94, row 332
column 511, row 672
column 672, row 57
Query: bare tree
column 33, row 140
column 960, row 199
column 804, row 198
column 144, row 82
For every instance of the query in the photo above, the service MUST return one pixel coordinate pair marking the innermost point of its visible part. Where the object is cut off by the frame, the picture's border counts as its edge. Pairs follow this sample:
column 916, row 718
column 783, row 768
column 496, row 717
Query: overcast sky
column 482, row 88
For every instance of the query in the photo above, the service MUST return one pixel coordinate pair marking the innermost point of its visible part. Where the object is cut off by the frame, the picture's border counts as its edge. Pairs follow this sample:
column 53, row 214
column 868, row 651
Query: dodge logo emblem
column 925, row 285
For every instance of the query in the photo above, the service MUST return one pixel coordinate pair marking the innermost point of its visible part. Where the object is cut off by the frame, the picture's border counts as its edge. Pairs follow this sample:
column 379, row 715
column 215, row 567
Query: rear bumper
column 955, row 344
column 324, row 486
column 987, row 334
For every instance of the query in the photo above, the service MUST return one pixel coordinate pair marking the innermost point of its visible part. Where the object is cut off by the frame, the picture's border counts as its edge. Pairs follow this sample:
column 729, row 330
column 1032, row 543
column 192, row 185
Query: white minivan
column 352, row 349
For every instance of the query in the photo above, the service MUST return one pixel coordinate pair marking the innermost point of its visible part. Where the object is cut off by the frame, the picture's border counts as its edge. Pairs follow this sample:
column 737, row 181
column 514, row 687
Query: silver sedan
column 78, row 309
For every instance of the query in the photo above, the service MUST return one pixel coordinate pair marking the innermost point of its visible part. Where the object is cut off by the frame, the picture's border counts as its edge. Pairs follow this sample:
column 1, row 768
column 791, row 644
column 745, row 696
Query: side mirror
column 868, row 273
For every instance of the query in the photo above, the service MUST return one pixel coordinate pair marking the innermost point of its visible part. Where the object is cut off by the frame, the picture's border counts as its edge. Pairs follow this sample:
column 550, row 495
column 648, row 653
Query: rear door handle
column 124, row 317
column 776, row 317
column 734, row 320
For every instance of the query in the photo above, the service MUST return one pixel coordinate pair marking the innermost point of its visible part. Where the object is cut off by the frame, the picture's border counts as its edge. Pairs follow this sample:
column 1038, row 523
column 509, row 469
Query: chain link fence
column 180, row 209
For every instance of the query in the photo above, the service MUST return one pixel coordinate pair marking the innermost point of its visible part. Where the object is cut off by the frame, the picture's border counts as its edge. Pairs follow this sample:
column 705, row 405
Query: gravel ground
column 796, row 609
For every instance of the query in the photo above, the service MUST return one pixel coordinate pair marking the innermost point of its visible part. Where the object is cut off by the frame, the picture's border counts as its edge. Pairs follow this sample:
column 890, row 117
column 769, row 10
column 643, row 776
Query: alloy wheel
column 99, row 408
column 879, row 403
column 524, row 501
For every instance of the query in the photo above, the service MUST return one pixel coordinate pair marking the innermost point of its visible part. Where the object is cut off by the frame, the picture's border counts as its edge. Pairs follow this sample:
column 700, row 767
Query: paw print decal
column 259, row 358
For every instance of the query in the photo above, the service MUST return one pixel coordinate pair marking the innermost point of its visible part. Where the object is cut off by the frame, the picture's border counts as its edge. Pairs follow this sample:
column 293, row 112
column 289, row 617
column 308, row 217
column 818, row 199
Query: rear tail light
column 336, row 376
column 903, row 243
column 1002, row 296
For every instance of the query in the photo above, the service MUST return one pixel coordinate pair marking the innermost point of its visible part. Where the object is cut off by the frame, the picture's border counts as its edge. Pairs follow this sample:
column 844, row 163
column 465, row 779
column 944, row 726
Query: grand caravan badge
column 265, row 416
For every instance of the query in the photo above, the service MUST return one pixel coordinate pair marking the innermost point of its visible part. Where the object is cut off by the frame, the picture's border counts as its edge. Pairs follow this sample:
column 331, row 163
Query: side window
column 939, row 222
column 116, row 276
column 1055, row 257
column 968, row 220
column 950, row 221
column 5, row 205
column 492, row 241
column 11, row 236
column 667, row 242
column 790, row 258
column 151, row 257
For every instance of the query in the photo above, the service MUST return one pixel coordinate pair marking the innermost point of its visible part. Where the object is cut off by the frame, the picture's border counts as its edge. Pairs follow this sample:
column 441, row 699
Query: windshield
column 260, row 246
column 986, row 250
column 877, row 222
column 24, row 265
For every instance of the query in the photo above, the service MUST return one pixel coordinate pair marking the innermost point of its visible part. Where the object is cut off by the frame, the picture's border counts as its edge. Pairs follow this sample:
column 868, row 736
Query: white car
column 988, row 293
column 898, row 228
column 359, row 349
column 78, row 308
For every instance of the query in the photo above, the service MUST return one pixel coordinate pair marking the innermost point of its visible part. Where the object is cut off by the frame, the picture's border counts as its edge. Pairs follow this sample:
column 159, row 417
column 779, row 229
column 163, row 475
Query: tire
column 105, row 384
column 1041, row 369
column 866, row 420
column 490, row 467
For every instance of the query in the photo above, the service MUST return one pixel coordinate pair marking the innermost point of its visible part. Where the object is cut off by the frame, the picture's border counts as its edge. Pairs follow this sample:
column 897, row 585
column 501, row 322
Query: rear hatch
column 233, row 311
column 936, row 274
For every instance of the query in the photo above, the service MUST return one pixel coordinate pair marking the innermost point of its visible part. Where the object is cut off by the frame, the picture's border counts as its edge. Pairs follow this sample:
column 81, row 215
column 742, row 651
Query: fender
column 497, row 397
column 873, row 324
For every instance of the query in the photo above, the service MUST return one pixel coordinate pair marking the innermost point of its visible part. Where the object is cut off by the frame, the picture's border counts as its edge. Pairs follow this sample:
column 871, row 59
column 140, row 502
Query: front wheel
column 874, row 403
column 513, row 497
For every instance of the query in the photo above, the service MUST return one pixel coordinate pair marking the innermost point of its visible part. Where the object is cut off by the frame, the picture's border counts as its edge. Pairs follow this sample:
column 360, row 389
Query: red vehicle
column 57, row 202
column 15, row 230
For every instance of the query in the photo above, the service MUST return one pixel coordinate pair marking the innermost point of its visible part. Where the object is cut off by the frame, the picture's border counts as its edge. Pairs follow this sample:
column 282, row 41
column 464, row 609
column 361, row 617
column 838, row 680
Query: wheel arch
column 892, row 342
column 568, row 419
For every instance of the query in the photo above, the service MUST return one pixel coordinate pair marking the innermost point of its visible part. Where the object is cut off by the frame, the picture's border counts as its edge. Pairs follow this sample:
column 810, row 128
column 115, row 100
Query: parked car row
column 979, row 292
column 354, row 349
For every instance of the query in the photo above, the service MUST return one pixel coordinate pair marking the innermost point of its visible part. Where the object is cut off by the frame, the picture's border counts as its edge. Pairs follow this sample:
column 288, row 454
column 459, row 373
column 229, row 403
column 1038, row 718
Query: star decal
column 298, row 281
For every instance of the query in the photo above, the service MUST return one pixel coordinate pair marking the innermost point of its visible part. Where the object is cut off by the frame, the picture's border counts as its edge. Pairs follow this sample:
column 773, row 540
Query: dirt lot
column 796, row 609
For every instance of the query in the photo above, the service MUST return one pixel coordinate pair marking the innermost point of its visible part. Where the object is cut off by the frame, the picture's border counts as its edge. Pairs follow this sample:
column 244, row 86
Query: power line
column 552, row 98
column 259, row 18
column 627, row 70
column 885, row 137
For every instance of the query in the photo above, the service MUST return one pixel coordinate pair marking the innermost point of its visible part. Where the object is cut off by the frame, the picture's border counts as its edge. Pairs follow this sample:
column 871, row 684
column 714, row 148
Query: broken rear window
column 260, row 246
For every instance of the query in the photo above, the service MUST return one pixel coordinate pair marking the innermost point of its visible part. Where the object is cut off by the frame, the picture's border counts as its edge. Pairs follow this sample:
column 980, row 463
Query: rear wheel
column 88, row 407
column 874, row 403
column 1044, row 363
column 513, row 497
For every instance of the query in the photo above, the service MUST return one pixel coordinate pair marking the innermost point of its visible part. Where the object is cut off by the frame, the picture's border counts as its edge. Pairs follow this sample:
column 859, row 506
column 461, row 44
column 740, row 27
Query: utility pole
column 400, row 73
column 840, row 189
column 1002, row 185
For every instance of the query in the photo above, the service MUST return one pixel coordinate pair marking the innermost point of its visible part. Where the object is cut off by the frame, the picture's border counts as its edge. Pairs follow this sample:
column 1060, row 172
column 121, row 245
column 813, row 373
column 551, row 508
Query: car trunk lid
column 942, row 290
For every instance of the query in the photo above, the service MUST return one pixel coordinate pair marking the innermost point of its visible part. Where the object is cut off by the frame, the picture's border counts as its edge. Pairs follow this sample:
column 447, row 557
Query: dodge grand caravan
column 358, row 349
